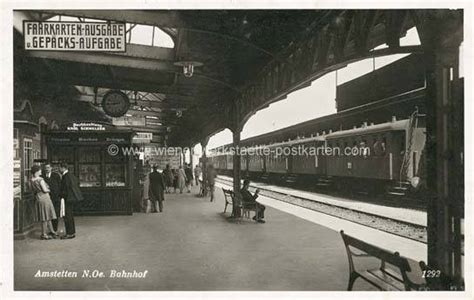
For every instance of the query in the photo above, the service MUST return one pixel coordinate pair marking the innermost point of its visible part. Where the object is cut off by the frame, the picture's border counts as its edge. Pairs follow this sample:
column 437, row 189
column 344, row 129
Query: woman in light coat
column 45, row 208
column 181, row 179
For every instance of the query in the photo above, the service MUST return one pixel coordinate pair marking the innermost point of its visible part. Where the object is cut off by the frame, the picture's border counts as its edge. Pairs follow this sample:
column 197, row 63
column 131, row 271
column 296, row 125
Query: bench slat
column 394, row 274
column 381, row 280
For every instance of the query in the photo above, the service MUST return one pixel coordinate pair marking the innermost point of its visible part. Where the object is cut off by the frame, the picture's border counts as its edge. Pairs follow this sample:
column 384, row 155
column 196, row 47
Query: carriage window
column 402, row 145
column 383, row 145
column 364, row 148
column 377, row 147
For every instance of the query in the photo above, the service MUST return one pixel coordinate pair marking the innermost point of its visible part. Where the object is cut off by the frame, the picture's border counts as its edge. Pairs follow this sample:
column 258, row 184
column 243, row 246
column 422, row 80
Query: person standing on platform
column 197, row 174
column 156, row 190
column 211, row 179
column 45, row 207
column 145, row 191
column 181, row 181
column 71, row 193
column 169, row 178
column 189, row 177
column 53, row 179
column 175, row 179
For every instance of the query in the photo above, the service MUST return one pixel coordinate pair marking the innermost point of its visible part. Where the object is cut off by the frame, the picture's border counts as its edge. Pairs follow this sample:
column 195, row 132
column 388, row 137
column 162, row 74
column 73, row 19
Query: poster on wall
column 16, row 179
column 163, row 159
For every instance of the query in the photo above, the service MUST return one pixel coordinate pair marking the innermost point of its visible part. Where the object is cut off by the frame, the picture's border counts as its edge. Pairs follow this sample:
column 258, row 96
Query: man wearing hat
column 156, row 189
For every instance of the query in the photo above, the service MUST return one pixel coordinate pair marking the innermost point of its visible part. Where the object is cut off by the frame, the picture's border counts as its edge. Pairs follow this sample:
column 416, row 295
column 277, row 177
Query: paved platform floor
column 191, row 246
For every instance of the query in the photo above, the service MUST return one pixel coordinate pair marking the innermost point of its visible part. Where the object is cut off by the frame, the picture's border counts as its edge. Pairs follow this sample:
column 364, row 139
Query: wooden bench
column 384, row 278
column 247, row 208
column 229, row 198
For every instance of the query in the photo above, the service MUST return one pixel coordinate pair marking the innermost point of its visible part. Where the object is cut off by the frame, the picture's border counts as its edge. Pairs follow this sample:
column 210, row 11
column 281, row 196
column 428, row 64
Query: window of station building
column 27, row 161
column 90, row 174
column 115, row 170
column 62, row 154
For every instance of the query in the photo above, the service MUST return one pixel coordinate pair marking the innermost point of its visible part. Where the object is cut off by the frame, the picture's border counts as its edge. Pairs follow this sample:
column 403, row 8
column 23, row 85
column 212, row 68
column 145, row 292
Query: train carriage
column 305, row 159
column 244, row 163
column 229, row 161
column 256, row 161
column 388, row 151
column 275, row 161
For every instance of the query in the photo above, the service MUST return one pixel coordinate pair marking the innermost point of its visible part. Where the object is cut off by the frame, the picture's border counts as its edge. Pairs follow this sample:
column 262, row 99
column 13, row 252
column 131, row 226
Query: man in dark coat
column 156, row 189
column 251, row 200
column 189, row 176
column 71, row 193
column 53, row 179
column 211, row 179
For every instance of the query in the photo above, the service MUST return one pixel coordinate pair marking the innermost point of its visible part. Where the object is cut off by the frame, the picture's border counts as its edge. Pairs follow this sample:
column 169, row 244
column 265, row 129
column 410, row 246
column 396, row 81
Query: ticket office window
column 63, row 154
column 115, row 170
column 89, row 166
column 94, row 166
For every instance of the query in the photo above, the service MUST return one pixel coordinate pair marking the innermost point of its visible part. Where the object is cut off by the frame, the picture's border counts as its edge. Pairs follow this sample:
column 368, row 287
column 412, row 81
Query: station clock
column 115, row 103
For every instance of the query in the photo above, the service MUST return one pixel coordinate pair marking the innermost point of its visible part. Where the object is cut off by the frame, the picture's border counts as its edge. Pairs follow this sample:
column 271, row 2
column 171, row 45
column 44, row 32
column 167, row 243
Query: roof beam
column 163, row 18
column 123, row 84
column 169, row 103
column 154, row 129
column 137, row 57
column 144, row 113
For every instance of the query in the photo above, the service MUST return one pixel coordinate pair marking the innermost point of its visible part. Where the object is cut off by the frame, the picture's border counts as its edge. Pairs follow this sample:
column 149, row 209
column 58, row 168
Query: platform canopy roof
column 241, row 51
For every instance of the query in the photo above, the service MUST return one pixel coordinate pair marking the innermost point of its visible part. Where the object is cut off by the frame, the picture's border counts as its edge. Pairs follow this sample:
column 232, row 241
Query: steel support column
column 204, row 165
column 236, row 171
column 191, row 158
column 236, row 127
column 444, row 151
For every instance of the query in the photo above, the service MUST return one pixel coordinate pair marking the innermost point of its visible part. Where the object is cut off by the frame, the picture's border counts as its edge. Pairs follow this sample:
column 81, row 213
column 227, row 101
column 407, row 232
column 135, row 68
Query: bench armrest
column 361, row 255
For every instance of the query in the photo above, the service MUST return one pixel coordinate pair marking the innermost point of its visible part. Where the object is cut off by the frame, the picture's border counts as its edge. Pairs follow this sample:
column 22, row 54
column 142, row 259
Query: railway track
column 410, row 230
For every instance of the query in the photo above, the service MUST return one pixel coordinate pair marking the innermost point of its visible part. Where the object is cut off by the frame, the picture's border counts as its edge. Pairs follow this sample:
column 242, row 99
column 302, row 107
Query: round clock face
column 115, row 103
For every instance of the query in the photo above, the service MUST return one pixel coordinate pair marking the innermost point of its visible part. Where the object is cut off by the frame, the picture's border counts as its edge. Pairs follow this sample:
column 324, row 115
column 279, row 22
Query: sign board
column 129, row 121
column 162, row 157
column 142, row 137
column 163, row 160
column 89, row 138
column 74, row 36
column 85, row 127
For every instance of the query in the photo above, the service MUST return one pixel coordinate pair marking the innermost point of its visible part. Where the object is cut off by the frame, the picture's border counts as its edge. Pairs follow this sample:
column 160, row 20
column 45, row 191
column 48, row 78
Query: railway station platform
column 191, row 246
column 401, row 213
